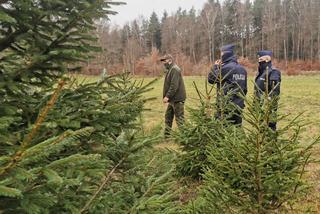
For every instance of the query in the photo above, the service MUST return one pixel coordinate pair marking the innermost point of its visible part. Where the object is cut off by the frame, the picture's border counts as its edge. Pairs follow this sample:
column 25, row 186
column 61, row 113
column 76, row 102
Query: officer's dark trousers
column 173, row 110
column 273, row 124
column 236, row 118
column 233, row 117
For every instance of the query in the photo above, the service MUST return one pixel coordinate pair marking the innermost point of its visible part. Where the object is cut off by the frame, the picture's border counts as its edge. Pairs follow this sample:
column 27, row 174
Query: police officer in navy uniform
column 267, row 82
column 231, row 80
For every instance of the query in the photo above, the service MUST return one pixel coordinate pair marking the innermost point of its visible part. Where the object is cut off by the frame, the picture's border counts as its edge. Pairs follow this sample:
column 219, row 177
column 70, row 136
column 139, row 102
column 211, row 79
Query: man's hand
column 218, row 62
column 165, row 100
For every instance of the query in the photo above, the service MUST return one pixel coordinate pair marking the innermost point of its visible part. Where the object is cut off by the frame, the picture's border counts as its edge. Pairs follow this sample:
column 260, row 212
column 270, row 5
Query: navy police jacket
column 232, row 79
column 268, row 80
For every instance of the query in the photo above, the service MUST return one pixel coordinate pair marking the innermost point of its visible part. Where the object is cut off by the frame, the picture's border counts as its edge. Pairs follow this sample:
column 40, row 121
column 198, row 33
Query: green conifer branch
column 20, row 153
column 104, row 182
column 43, row 115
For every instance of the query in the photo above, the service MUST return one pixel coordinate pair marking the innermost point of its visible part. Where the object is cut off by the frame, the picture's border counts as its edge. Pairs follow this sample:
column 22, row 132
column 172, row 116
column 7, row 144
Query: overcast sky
column 135, row 8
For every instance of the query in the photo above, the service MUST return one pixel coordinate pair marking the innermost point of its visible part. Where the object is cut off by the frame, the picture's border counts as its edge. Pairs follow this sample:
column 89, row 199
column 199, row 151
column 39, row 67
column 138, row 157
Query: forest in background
column 290, row 28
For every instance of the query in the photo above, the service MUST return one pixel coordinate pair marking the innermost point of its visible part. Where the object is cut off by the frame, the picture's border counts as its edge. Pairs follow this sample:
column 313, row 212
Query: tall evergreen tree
column 231, row 22
column 126, row 34
column 164, row 17
column 154, row 31
column 257, row 12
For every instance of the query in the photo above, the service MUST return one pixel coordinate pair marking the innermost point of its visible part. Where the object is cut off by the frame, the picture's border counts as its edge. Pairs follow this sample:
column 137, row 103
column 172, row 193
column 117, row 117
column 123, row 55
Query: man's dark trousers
column 174, row 110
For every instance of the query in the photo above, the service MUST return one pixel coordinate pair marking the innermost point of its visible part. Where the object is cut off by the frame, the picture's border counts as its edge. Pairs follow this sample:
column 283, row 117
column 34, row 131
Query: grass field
column 299, row 94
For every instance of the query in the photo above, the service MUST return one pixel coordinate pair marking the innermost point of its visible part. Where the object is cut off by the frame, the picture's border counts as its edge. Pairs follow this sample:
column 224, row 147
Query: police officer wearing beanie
column 174, row 93
column 231, row 80
column 267, row 81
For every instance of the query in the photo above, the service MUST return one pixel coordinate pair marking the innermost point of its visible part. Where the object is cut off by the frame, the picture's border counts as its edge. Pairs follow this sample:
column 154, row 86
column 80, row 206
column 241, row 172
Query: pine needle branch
column 43, row 114
column 102, row 185
column 19, row 154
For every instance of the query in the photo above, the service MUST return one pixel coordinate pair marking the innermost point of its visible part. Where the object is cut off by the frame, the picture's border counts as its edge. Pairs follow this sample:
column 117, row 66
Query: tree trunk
column 285, row 53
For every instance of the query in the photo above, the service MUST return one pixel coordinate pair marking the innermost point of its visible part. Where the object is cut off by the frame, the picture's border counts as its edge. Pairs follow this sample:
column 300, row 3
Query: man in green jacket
column 174, row 93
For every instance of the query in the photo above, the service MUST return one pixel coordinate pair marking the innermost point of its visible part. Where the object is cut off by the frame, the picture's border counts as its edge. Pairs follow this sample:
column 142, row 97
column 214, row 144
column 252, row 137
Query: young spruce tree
column 67, row 147
column 256, row 171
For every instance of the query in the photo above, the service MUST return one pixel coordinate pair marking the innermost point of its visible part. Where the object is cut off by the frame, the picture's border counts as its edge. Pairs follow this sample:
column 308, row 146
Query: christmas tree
column 70, row 147
column 258, row 170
